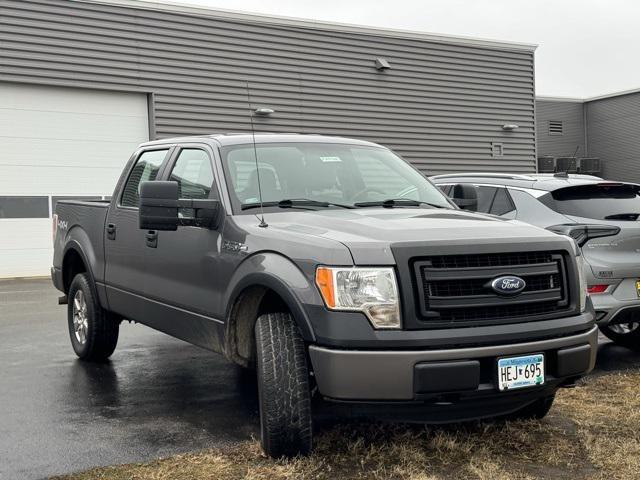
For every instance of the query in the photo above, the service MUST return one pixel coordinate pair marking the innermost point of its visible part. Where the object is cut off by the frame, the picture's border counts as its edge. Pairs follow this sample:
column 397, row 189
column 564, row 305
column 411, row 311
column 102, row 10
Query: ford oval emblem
column 508, row 285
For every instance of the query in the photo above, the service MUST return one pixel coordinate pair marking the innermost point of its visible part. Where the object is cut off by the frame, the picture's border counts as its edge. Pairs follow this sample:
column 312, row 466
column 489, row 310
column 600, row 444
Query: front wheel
column 624, row 334
column 92, row 329
column 283, row 387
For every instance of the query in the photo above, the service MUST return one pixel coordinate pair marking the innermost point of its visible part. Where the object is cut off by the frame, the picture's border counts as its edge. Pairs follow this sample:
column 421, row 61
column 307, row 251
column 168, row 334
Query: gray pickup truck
column 336, row 270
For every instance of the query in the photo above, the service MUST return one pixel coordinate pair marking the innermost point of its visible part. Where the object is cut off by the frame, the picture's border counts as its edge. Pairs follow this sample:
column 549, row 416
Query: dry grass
column 593, row 432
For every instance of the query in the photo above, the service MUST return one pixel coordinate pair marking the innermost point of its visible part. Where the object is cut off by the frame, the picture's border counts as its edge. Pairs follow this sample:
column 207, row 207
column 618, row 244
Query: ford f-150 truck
column 336, row 270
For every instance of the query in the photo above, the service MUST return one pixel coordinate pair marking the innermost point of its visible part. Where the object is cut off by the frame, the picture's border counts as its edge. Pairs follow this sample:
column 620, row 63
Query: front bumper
column 418, row 375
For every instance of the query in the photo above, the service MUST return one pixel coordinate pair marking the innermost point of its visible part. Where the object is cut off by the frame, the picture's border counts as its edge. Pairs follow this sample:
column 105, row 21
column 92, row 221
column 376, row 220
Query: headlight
column 583, row 282
column 372, row 291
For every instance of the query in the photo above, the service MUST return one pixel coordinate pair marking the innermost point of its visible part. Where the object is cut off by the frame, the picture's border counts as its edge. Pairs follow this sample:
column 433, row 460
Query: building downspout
column 584, row 127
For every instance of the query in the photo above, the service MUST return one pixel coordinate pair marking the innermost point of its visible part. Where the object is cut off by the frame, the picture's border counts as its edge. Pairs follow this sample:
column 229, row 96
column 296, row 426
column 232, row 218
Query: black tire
column 629, row 340
column 283, row 387
column 98, row 338
column 536, row 410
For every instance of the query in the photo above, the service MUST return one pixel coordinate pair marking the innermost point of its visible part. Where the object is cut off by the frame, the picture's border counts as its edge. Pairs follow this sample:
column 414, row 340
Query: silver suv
column 602, row 216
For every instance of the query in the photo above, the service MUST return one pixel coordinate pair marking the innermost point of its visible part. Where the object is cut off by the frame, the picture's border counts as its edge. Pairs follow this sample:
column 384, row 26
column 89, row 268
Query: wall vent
column 497, row 150
column 555, row 127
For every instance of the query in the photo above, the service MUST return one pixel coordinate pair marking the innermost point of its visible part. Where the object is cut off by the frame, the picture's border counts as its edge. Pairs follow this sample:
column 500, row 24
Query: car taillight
column 583, row 233
column 54, row 227
column 595, row 289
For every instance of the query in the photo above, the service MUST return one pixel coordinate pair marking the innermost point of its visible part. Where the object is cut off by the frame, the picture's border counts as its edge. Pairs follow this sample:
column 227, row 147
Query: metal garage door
column 55, row 143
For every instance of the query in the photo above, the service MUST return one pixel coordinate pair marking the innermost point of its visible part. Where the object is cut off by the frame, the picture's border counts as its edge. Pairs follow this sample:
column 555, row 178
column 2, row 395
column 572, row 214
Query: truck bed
column 77, row 220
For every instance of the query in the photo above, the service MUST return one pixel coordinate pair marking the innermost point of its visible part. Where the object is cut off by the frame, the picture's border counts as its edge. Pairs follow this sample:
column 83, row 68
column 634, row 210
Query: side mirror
column 465, row 197
column 162, row 209
column 158, row 206
column 466, row 203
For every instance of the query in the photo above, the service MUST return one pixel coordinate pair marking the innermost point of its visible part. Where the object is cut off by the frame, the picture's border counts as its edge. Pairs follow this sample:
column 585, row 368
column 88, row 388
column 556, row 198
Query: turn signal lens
column 597, row 289
column 324, row 280
column 372, row 291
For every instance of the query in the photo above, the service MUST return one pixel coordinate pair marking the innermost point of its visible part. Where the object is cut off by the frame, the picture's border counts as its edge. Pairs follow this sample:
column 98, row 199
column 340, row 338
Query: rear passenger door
column 125, row 268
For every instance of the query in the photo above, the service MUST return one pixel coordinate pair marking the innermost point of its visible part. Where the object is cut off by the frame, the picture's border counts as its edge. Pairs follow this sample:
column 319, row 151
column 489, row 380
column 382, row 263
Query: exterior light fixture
column 382, row 64
column 263, row 111
column 510, row 127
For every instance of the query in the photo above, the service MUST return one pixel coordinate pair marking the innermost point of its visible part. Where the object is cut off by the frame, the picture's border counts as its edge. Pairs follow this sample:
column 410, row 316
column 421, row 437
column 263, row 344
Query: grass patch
column 592, row 432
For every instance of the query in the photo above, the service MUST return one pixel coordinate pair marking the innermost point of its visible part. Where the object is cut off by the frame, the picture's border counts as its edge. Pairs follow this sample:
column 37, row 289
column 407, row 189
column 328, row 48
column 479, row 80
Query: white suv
column 602, row 216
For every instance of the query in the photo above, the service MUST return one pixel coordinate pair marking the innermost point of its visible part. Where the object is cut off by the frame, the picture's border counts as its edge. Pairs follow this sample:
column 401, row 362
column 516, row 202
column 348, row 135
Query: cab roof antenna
column 262, row 223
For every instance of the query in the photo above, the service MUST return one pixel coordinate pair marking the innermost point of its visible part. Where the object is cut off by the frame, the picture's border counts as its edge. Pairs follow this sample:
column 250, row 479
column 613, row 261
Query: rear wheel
column 624, row 334
column 283, row 386
column 93, row 330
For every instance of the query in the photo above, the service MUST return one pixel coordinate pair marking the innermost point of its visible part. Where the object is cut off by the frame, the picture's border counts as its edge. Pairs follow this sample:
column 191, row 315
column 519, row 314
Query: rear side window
column 604, row 201
column 485, row 198
column 493, row 200
column 146, row 169
column 502, row 203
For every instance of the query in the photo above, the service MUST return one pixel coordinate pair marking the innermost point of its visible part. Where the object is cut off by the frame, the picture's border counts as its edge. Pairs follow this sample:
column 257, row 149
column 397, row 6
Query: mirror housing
column 465, row 197
column 160, row 204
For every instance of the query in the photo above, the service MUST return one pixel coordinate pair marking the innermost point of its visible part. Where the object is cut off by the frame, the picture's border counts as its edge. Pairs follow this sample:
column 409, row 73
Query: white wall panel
column 60, row 141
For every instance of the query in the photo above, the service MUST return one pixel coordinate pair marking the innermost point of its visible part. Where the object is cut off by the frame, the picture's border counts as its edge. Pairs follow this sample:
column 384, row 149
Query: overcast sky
column 586, row 47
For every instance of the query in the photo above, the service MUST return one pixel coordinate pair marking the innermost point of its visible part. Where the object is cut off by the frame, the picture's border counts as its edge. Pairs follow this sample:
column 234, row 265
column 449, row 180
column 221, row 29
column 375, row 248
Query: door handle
column 151, row 238
column 111, row 231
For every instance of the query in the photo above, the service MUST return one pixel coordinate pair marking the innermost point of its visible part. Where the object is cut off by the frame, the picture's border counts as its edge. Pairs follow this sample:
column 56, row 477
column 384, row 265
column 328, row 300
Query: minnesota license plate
column 520, row 372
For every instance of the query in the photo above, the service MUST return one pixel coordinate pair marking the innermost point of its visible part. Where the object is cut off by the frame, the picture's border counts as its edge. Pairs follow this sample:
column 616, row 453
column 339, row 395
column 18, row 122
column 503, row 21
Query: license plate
column 638, row 287
column 520, row 372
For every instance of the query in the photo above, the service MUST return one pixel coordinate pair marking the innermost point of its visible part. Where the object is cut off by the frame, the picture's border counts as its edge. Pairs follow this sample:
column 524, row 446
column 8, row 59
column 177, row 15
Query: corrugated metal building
column 82, row 82
column 606, row 127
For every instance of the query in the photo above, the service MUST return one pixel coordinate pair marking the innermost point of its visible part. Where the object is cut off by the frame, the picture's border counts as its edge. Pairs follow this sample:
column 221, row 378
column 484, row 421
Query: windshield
column 331, row 175
column 613, row 201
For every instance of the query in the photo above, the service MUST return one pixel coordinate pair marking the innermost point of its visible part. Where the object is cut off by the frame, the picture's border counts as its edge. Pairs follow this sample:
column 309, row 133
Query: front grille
column 455, row 290
column 490, row 260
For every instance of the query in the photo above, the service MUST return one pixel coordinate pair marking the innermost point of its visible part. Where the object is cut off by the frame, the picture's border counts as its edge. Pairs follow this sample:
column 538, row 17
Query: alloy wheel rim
column 80, row 318
column 624, row 328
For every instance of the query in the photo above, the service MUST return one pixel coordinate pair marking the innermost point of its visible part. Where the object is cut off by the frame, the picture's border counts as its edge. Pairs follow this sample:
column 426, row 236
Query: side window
column 485, row 198
column 194, row 174
column 446, row 189
column 502, row 203
column 146, row 169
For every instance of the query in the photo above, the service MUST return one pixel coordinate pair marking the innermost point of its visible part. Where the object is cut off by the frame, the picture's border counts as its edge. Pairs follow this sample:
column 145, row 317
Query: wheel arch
column 74, row 261
column 277, row 285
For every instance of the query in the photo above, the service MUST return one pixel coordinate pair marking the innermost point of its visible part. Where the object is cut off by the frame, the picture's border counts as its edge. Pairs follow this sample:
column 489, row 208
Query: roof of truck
column 224, row 139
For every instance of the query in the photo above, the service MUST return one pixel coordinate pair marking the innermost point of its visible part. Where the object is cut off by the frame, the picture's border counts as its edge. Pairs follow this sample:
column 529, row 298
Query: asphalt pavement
column 157, row 396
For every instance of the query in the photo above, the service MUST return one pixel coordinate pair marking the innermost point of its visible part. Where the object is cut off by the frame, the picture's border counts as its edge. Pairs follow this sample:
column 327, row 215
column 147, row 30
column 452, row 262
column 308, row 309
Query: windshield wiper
column 397, row 202
column 294, row 203
column 623, row 216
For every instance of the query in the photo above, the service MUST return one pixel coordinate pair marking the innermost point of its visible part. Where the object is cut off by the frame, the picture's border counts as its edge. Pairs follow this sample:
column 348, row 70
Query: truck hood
column 369, row 233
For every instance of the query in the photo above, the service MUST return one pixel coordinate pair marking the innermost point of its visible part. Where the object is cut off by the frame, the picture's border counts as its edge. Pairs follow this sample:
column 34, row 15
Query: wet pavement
column 156, row 397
